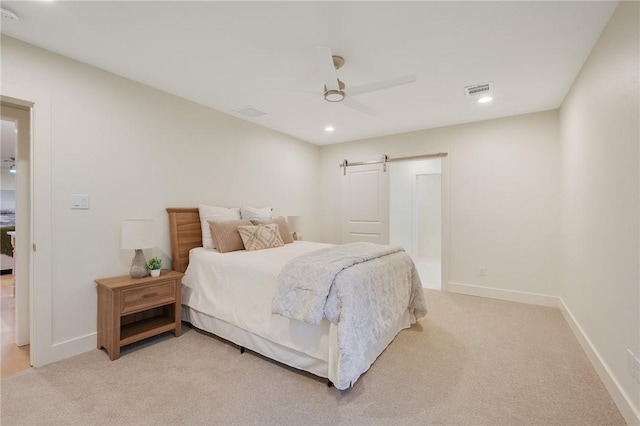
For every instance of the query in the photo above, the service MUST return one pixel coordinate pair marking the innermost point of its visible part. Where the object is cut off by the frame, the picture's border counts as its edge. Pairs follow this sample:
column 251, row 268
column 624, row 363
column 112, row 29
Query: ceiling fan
column 12, row 163
column 336, row 91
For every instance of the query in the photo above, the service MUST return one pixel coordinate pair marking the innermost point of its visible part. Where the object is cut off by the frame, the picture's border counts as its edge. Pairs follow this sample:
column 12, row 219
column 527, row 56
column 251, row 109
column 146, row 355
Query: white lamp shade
column 294, row 223
column 138, row 234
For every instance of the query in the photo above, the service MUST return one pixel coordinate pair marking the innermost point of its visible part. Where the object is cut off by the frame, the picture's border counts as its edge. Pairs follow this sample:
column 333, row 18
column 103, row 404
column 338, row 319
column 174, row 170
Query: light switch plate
column 80, row 201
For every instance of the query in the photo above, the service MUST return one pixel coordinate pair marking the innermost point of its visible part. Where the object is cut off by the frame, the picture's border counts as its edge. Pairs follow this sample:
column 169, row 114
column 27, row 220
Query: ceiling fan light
column 8, row 15
column 12, row 169
column 334, row 95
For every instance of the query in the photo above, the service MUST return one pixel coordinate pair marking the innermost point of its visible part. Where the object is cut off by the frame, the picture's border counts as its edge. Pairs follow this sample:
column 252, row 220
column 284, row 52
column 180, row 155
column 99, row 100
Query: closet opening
column 415, row 215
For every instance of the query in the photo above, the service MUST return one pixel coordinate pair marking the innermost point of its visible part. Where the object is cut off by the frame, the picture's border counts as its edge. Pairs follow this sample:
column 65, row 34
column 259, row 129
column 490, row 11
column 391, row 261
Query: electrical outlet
column 482, row 271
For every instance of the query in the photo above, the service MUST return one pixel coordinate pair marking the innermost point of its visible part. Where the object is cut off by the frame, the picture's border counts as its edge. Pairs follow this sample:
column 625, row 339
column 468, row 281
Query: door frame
column 445, row 188
column 21, row 116
column 445, row 217
column 41, row 349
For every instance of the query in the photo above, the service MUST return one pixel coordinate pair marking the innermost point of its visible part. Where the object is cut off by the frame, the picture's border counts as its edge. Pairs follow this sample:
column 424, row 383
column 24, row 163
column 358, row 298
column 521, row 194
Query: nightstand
column 132, row 309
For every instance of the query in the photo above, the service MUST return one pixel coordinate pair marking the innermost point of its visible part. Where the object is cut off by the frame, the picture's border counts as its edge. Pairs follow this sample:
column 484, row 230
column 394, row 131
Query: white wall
column 600, row 157
column 7, row 181
column 135, row 151
column 504, row 197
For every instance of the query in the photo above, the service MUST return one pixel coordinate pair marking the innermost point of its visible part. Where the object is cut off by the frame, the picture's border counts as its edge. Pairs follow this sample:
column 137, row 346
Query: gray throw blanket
column 363, row 288
column 304, row 282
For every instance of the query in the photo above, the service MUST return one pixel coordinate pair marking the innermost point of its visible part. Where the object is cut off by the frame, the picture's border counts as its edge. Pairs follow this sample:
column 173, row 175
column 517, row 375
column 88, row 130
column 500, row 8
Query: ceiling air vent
column 478, row 89
column 249, row 111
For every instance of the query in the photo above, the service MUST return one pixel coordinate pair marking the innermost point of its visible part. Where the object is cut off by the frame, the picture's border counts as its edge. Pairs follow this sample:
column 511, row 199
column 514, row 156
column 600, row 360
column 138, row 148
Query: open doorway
column 8, row 146
column 415, row 208
column 16, row 213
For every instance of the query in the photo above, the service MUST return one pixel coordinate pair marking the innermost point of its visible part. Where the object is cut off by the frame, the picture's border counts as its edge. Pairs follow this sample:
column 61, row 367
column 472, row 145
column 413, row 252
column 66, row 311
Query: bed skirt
column 240, row 337
column 293, row 358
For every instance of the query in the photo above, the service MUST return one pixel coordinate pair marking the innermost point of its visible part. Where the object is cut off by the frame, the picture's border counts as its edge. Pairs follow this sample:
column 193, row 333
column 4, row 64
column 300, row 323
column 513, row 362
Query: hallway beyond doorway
column 14, row 358
column 430, row 271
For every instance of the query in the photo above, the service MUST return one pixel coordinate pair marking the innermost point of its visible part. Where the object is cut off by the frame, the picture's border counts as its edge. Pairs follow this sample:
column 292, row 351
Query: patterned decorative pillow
column 260, row 236
column 225, row 234
column 285, row 234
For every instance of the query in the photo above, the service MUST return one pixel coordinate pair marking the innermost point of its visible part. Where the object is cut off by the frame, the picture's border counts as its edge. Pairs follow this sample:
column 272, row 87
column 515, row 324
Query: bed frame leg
column 329, row 383
column 241, row 349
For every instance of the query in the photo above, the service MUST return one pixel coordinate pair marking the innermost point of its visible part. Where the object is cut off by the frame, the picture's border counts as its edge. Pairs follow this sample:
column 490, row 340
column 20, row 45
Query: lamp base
column 139, row 265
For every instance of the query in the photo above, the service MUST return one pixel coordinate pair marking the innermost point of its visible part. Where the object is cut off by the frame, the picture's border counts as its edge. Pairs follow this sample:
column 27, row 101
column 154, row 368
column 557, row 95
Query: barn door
column 365, row 204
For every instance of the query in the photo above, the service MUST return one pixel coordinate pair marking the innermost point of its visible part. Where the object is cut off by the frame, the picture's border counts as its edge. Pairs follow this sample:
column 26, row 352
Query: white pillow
column 251, row 213
column 219, row 214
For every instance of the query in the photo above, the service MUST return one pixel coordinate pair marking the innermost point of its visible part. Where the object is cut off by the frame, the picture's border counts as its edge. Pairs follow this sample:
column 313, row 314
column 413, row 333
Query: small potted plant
column 154, row 266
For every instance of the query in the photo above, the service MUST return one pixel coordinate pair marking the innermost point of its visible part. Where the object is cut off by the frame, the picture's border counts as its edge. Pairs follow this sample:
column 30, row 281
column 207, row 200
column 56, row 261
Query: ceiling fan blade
column 359, row 106
column 384, row 84
column 328, row 69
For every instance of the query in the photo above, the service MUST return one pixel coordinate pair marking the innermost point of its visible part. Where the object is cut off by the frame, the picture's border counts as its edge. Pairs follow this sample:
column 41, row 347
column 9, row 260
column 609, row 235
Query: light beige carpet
column 470, row 361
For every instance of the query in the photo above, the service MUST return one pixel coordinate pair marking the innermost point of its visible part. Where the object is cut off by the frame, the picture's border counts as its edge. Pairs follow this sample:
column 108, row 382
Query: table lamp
column 294, row 226
column 137, row 234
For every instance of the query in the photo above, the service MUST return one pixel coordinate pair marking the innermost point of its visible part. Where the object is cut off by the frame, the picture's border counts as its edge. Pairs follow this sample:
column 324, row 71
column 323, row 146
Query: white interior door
column 365, row 204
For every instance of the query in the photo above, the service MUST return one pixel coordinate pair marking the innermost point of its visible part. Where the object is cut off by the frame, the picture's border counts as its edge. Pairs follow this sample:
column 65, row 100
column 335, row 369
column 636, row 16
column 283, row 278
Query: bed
column 231, row 295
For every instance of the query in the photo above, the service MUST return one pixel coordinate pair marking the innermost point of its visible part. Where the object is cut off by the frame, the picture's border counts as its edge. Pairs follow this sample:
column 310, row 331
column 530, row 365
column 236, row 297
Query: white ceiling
column 227, row 55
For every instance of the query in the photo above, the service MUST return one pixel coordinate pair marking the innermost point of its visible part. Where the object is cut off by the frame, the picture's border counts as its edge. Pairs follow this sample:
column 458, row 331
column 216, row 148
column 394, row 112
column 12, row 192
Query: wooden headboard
column 185, row 232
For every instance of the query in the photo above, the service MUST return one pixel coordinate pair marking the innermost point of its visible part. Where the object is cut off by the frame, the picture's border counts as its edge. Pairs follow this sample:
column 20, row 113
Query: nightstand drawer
column 145, row 297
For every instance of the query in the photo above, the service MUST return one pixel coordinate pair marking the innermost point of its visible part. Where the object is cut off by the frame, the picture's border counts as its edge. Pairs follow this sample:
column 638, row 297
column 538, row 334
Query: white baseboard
column 73, row 347
column 502, row 294
column 622, row 400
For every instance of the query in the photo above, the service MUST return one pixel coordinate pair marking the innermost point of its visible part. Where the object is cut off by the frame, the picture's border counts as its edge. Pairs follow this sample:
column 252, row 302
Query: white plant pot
column 154, row 272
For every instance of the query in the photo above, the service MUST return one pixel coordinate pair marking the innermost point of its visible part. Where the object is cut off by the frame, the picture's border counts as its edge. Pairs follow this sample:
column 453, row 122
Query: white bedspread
column 238, row 288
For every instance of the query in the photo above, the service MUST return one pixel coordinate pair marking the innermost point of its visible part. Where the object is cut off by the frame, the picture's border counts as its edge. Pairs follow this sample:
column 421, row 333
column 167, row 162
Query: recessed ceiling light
column 329, row 129
column 485, row 99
